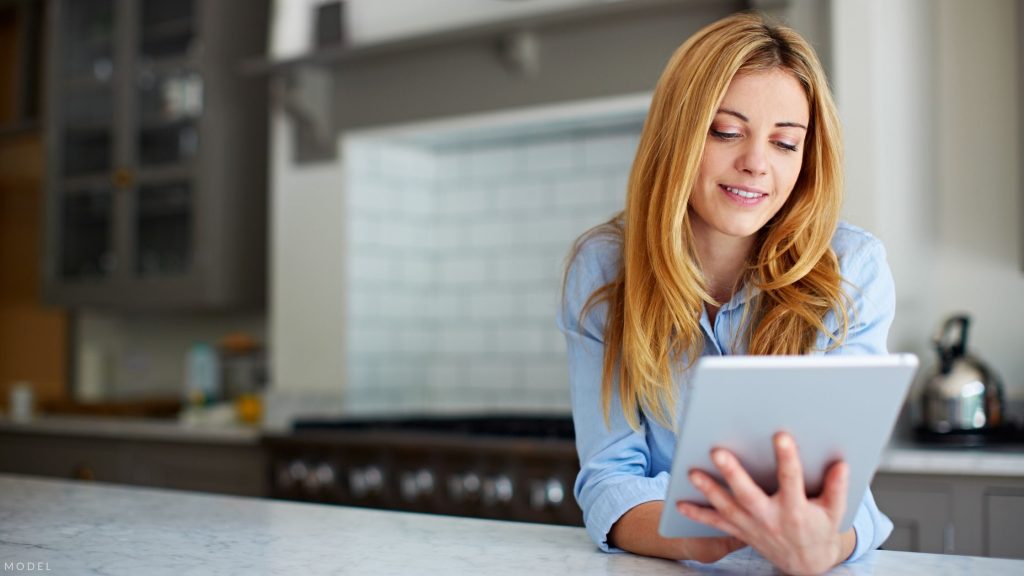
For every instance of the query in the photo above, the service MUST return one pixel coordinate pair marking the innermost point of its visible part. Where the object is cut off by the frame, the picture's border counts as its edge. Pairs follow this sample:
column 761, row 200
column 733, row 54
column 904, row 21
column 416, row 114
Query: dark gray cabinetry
column 157, row 148
column 972, row 515
column 224, row 468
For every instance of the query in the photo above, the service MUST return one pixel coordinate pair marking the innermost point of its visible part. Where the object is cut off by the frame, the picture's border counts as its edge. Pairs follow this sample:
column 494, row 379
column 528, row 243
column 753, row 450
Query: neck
column 722, row 258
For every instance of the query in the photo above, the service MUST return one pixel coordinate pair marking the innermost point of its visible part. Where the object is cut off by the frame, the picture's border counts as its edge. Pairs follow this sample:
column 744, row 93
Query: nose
column 753, row 159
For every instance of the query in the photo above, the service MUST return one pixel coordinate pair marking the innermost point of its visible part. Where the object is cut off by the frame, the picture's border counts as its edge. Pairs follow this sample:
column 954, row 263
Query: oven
column 504, row 467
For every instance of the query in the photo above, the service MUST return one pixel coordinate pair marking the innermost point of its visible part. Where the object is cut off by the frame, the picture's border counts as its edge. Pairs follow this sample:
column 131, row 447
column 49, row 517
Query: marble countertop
column 912, row 459
column 65, row 527
column 133, row 428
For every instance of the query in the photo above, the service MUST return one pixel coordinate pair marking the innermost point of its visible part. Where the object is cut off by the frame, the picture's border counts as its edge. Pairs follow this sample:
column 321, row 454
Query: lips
column 743, row 195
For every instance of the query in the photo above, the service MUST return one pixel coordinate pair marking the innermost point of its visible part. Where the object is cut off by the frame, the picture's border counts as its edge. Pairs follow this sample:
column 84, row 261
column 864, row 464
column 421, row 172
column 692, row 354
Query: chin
column 741, row 229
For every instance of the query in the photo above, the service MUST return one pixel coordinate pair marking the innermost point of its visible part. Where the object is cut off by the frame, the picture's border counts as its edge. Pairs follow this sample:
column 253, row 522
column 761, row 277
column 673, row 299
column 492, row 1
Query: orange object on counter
column 249, row 408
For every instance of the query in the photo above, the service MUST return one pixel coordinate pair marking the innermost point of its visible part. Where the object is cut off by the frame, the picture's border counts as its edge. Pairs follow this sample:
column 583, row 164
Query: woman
column 729, row 244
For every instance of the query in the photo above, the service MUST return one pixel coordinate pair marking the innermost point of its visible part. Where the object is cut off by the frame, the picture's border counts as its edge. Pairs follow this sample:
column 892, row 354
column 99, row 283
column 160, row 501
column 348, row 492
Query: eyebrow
column 745, row 119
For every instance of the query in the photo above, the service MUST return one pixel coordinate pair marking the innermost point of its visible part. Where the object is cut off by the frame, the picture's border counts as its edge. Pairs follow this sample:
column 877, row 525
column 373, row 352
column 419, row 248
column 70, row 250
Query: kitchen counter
column 134, row 428
column 913, row 459
column 80, row 528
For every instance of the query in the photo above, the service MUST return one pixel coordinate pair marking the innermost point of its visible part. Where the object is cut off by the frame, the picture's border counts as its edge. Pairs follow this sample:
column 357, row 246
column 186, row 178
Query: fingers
column 746, row 492
column 709, row 516
column 721, row 501
column 833, row 494
column 790, row 471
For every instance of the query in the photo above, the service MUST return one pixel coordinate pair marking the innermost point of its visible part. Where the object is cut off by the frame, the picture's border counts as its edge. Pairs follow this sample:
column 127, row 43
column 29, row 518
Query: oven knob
column 546, row 493
column 464, row 487
column 292, row 474
column 321, row 478
column 417, row 484
column 471, row 484
column 365, row 481
column 497, row 490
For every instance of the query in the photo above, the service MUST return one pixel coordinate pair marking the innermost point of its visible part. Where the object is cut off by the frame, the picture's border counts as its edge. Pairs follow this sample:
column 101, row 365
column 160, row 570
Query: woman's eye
column 786, row 146
column 724, row 135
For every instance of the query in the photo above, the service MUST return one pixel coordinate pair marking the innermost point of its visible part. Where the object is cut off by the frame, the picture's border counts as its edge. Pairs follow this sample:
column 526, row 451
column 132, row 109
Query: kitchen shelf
column 341, row 54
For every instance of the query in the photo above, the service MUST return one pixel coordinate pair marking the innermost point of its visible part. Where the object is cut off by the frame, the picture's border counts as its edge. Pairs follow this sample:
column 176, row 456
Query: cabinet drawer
column 1004, row 524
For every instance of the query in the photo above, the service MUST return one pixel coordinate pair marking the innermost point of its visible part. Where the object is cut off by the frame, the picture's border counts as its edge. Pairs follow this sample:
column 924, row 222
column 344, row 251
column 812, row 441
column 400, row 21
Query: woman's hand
column 796, row 534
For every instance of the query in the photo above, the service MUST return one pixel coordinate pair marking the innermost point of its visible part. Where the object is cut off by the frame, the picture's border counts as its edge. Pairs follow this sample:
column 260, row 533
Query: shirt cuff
column 869, row 530
column 618, row 499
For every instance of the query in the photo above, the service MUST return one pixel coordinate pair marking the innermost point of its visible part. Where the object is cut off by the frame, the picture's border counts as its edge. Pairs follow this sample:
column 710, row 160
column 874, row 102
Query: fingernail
column 696, row 480
column 719, row 457
column 784, row 442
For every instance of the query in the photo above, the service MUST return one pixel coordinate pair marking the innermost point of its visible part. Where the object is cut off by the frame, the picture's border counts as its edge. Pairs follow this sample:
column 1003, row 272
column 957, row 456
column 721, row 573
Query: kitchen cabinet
column 156, row 191
column 210, row 466
column 969, row 514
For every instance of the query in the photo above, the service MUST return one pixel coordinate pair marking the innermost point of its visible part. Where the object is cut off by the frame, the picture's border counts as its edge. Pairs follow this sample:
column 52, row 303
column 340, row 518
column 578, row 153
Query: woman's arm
column 637, row 532
column 619, row 497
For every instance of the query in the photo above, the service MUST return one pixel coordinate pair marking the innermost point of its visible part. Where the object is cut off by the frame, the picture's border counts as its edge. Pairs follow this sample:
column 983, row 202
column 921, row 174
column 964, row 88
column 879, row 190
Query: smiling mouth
column 741, row 193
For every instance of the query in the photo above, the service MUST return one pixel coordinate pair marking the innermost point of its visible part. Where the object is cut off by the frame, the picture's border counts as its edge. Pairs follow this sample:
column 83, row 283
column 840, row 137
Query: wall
column 929, row 99
column 455, row 255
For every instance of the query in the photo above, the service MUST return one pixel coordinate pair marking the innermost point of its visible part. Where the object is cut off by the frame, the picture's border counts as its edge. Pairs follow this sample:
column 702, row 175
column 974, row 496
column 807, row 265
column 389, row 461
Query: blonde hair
column 655, row 302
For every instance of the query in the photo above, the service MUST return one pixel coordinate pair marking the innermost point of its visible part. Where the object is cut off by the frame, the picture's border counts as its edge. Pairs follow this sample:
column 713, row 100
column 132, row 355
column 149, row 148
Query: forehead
column 772, row 95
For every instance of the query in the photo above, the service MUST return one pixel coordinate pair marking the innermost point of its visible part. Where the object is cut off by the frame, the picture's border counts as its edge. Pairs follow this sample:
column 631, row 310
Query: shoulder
column 596, row 260
column 856, row 248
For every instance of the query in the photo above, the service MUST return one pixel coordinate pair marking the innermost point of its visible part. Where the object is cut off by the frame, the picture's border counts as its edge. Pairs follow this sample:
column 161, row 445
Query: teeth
column 743, row 193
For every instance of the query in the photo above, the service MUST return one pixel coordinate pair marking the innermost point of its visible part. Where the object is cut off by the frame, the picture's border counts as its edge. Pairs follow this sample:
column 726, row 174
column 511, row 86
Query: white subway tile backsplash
column 417, row 270
column 464, row 340
column 521, row 197
column 370, row 340
column 546, row 156
column 494, row 161
column 418, row 200
column 579, row 192
column 540, row 302
column 610, row 149
column 463, row 270
column 370, row 267
column 445, row 306
column 493, row 303
column 455, row 265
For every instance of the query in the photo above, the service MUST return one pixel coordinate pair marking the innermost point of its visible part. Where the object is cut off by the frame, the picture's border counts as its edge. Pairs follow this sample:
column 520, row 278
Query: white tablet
column 836, row 407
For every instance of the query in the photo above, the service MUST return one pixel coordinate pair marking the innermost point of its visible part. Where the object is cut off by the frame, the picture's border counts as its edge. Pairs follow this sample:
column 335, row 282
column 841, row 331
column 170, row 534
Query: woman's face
column 752, row 155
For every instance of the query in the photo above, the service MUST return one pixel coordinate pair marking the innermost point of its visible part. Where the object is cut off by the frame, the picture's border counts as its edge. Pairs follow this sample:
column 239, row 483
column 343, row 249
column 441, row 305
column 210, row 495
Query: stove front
column 501, row 467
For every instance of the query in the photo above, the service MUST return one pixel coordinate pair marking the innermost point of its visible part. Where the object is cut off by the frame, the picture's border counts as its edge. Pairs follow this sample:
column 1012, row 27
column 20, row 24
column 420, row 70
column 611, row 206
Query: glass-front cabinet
column 153, row 202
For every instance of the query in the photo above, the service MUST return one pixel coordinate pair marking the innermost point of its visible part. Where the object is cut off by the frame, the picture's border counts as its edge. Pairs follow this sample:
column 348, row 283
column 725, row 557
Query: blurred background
column 242, row 213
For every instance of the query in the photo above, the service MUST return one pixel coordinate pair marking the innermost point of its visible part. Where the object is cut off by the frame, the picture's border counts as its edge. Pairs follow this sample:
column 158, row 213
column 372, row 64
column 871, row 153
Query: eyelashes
column 729, row 136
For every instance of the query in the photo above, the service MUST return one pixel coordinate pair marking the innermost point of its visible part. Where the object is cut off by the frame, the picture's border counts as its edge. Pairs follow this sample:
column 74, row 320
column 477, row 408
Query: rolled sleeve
column 611, row 499
column 871, row 527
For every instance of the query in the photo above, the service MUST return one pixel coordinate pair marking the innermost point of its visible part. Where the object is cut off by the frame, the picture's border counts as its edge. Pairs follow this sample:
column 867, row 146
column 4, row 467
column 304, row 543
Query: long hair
column 654, row 304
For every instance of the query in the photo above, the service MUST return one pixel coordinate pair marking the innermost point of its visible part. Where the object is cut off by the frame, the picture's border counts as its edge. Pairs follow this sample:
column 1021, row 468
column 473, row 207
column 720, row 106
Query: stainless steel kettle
column 962, row 393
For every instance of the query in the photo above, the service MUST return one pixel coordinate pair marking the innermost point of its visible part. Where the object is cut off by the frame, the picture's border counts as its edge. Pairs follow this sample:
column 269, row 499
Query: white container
column 22, row 402
column 202, row 375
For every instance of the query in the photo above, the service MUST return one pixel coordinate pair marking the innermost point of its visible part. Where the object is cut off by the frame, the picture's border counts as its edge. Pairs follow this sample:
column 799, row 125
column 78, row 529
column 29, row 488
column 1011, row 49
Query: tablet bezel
column 836, row 407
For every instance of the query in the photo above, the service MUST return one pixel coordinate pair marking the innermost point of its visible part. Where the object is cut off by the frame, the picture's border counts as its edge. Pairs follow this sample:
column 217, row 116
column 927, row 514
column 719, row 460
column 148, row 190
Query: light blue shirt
column 621, row 468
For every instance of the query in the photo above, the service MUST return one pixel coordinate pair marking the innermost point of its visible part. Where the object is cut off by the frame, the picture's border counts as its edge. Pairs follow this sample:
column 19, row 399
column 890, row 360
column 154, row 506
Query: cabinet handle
column 83, row 472
column 122, row 179
column 949, row 538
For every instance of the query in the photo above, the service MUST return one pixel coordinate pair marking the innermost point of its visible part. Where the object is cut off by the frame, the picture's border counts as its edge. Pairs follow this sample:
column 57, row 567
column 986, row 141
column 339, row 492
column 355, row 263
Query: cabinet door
column 86, row 69
column 922, row 518
column 83, row 208
column 222, row 469
column 1004, row 524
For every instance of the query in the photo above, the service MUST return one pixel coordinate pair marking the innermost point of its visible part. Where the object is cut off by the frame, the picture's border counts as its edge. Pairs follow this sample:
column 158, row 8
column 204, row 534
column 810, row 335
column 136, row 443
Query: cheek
column 788, row 174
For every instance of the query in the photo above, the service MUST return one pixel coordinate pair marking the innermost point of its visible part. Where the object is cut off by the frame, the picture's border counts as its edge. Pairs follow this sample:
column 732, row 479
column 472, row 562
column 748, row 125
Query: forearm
column 637, row 532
